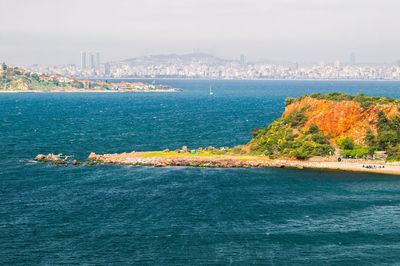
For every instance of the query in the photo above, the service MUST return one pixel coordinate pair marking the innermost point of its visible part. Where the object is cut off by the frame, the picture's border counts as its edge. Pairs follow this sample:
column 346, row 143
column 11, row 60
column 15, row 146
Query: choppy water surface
column 108, row 214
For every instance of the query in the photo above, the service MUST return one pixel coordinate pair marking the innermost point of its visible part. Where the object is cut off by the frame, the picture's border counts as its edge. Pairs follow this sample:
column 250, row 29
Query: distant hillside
column 176, row 59
column 17, row 79
column 321, row 124
column 13, row 79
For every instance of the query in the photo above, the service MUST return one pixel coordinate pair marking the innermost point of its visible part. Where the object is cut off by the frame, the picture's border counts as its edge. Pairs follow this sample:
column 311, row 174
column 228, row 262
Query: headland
column 17, row 80
column 329, row 131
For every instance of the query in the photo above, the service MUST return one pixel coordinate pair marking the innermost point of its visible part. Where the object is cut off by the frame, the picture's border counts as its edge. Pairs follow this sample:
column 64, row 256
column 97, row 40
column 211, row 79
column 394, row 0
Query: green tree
column 320, row 138
column 345, row 143
column 370, row 138
column 35, row 77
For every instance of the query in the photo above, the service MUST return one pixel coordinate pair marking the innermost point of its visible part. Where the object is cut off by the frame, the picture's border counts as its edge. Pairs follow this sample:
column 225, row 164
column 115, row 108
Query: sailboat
column 211, row 92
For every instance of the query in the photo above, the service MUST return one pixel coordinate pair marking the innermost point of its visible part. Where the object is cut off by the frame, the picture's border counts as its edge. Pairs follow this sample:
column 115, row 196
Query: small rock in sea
column 166, row 150
column 40, row 157
column 92, row 156
column 49, row 158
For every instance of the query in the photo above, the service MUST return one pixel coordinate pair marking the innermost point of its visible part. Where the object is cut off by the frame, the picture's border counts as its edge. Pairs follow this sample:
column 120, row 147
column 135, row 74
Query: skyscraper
column 92, row 62
column 97, row 65
column 352, row 59
column 83, row 60
column 107, row 69
column 242, row 59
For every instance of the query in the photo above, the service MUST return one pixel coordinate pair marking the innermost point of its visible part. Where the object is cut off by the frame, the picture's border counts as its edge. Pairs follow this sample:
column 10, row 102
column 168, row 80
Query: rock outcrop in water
column 49, row 158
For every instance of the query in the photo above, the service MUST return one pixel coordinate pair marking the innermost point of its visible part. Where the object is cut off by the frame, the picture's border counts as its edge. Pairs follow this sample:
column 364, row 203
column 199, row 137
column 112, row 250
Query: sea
column 135, row 215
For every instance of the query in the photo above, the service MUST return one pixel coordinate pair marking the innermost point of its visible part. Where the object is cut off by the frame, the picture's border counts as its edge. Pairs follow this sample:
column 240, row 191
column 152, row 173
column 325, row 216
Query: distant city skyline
column 53, row 32
column 91, row 60
column 205, row 66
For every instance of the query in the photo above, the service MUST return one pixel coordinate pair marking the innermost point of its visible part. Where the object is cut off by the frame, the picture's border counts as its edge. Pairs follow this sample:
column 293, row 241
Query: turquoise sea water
column 107, row 214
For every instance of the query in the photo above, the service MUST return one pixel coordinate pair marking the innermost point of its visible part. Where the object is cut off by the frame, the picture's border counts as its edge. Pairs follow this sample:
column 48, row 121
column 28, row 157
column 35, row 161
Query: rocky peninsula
column 13, row 79
column 330, row 131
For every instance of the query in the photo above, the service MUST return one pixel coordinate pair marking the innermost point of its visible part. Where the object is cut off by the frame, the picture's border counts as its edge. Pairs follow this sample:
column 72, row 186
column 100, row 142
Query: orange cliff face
column 344, row 118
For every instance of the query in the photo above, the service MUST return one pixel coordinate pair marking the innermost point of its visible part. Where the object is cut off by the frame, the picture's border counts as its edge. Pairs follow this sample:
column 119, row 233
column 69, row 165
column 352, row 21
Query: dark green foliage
column 312, row 129
column 388, row 138
column 357, row 152
column 279, row 140
column 255, row 132
column 289, row 100
column 364, row 101
column 350, row 150
column 296, row 118
column 345, row 143
column 389, row 135
column 35, row 77
column 4, row 66
column 320, row 138
column 324, row 150
column 306, row 150
column 371, row 142
column 77, row 84
column 370, row 138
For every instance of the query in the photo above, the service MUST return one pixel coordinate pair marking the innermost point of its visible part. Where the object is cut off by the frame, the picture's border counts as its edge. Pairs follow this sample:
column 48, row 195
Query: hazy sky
column 54, row 31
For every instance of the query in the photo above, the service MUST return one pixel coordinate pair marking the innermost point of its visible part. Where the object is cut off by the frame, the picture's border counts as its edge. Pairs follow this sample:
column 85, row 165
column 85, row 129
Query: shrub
column 305, row 151
column 289, row 100
column 364, row 101
column 312, row 129
column 356, row 153
column 320, row 138
column 255, row 132
column 35, row 77
column 296, row 118
column 237, row 150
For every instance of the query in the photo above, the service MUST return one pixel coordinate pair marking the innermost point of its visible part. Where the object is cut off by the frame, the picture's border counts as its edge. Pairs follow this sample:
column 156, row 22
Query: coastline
column 77, row 91
column 161, row 159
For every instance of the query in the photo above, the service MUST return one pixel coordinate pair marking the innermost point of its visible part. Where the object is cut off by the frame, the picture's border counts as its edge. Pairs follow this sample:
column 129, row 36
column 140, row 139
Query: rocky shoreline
column 225, row 161
column 222, row 161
